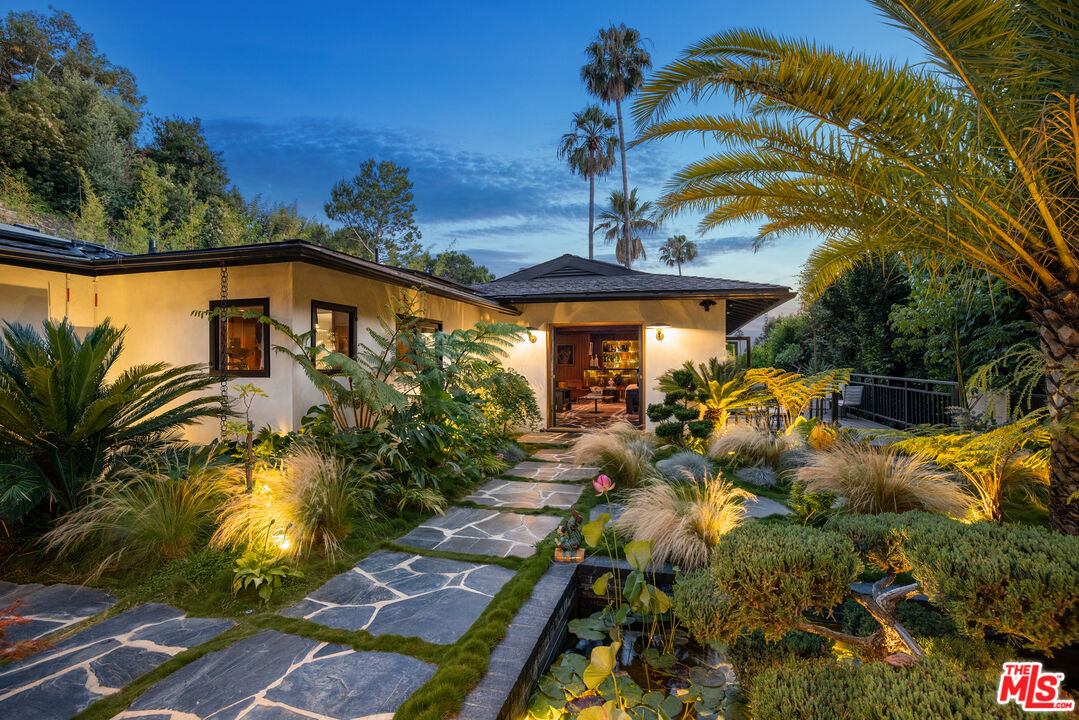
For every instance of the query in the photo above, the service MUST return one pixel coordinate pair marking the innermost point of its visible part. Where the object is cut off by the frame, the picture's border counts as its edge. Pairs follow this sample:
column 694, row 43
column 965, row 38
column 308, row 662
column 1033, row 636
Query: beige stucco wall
column 156, row 307
column 694, row 335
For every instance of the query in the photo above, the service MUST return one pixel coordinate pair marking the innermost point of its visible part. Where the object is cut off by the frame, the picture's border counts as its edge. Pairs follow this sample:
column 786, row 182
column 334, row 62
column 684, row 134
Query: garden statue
column 570, row 539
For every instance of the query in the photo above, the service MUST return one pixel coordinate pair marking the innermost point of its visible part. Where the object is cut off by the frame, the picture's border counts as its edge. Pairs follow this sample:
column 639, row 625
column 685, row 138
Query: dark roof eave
column 781, row 296
column 288, row 251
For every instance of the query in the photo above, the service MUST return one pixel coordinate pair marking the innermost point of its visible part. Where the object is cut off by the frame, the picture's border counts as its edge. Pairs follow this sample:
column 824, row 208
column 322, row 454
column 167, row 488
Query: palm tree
column 678, row 250
column 969, row 158
column 589, row 148
column 66, row 419
column 615, row 68
column 628, row 246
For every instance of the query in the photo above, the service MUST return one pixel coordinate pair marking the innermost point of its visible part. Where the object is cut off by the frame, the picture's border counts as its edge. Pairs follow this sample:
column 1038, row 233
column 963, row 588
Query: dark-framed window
column 240, row 346
column 335, row 328
column 423, row 326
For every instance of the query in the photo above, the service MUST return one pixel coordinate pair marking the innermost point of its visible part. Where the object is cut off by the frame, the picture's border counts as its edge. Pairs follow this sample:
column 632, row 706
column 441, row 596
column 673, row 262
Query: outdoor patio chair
column 852, row 397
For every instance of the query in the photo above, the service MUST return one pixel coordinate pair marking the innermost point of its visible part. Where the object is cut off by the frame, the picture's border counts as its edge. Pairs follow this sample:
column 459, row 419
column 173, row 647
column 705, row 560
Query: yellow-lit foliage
column 310, row 499
column 684, row 520
column 1013, row 457
column 747, row 444
column 822, row 437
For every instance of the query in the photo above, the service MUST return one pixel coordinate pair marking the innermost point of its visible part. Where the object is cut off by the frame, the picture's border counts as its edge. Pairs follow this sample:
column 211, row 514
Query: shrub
column 759, row 476
column 825, row 690
column 685, row 465
column 752, row 653
column 684, row 520
column 1014, row 579
column 160, row 509
column 811, row 508
column 774, row 574
column 745, row 444
column 69, row 419
column 873, row 481
column 311, row 499
column 512, row 453
column 621, row 451
column 506, row 398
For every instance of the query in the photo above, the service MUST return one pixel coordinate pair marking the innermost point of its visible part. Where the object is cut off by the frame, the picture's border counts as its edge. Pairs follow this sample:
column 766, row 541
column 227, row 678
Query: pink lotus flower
column 602, row 484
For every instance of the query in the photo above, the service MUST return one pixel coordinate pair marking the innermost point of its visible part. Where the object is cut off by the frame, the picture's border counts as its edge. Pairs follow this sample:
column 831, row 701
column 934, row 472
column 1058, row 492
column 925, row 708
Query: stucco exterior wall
column 694, row 335
column 156, row 307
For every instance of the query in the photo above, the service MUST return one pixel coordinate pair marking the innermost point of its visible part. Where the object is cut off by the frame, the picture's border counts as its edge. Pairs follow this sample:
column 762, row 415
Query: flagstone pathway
column 399, row 594
column 61, row 681
column 552, row 472
column 278, row 676
column 274, row 676
column 50, row 608
column 511, row 493
column 482, row 532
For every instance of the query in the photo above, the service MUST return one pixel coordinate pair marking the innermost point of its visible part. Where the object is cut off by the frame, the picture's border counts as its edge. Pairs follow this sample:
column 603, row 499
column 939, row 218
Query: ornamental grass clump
column 747, row 445
column 158, row 508
column 312, row 498
column 620, row 450
column 685, row 465
column 874, row 481
column 684, row 520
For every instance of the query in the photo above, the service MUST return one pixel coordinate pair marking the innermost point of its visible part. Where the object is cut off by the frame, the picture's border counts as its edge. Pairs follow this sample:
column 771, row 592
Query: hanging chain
column 222, row 337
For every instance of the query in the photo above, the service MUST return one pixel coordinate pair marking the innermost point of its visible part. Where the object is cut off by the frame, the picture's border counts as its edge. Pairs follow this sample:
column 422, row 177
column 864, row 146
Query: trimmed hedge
column 1014, row 579
column 775, row 573
column 825, row 690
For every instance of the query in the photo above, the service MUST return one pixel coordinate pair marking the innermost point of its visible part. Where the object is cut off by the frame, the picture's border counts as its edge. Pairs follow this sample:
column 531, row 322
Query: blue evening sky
column 472, row 97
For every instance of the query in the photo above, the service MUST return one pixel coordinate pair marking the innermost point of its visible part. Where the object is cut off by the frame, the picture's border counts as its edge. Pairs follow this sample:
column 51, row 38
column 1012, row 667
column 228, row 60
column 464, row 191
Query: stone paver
column 482, row 532
column 274, row 676
column 553, row 472
column 614, row 510
column 513, row 493
column 558, row 455
column 50, row 608
column 546, row 438
column 401, row 594
column 763, row 507
column 61, row 681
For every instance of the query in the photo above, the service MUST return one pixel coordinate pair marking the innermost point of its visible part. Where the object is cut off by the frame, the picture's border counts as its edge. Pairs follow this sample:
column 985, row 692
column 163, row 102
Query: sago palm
column 615, row 69
column 589, row 150
column 64, row 421
column 624, row 223
column 678, row 250
column 970, row 157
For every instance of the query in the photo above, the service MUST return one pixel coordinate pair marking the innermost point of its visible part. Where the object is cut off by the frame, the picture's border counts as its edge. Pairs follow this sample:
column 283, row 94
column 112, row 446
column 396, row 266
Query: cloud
column 720, row 246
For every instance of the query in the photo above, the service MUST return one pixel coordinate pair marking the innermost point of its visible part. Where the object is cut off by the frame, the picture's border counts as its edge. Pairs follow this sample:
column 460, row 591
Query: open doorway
column 596, row 373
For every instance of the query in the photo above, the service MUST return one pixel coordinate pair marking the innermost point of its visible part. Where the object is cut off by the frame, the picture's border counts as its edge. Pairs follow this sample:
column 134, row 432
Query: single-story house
column 600, row 334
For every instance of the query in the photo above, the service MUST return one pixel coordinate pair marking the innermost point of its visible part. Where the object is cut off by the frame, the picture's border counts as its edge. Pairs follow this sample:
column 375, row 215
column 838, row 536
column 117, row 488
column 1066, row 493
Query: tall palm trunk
column 591, row 199
column 1058, row 329
column 679, row 268
column 625, row 182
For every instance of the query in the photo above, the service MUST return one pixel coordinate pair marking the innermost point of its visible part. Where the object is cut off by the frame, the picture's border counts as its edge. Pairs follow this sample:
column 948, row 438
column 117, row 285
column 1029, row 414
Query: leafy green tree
column 453, row 265
column 34, row 45
column 615, row 67
column 624, row 223
column 678, row 250
column 996, row 103
column 91, row 224
column 956, row 321
column 67, row 417
column 377, row 209
column 144, row 223
column 181, row 145
column 589, row 150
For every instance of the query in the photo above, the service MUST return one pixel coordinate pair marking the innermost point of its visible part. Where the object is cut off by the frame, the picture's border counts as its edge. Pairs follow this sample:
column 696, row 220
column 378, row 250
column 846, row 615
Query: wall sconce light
column 658, row 327
column 531, row 329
